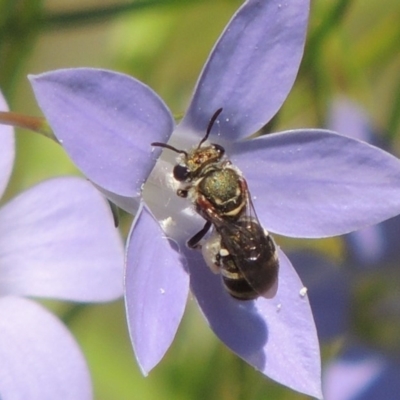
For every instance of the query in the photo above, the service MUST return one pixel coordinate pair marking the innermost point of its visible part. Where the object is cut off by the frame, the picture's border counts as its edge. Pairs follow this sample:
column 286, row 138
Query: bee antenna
column 210, row 125
column 167, row 146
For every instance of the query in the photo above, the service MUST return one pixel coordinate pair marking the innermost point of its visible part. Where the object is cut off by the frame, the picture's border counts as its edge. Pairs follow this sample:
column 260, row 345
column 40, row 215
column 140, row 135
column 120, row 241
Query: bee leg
column 193, row 243
column 223, row 254
column 218, row 261
column 182, row 193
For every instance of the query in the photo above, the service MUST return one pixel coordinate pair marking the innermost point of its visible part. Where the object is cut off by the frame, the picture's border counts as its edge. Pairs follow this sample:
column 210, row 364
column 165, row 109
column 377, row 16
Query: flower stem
column 35, row 124
column 394, row 116
column 100, row 13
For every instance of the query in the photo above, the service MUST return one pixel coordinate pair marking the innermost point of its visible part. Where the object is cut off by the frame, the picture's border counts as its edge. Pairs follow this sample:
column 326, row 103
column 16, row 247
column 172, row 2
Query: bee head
column 197, row 160
column 181, row 172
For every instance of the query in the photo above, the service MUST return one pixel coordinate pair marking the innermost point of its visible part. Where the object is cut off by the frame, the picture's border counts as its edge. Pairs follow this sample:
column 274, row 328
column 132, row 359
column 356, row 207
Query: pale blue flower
column 57, row 240
column 304, row 183
column 361, row 370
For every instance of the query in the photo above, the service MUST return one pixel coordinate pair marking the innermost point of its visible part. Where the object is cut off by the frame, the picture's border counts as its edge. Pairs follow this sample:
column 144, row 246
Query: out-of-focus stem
column 35, row 124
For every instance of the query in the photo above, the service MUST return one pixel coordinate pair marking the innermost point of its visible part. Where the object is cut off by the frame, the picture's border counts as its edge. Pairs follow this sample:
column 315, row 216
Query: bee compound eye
column 181, row 172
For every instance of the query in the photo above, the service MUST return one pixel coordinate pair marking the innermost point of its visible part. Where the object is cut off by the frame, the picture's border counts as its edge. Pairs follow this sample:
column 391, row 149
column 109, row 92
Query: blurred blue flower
column 360, row 371
column 304, row 183
column 57, row 240
column 371, row 247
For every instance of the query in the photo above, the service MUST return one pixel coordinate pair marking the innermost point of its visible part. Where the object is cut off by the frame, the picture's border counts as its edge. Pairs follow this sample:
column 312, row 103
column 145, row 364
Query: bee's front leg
column 182, row 193
column 193, row 243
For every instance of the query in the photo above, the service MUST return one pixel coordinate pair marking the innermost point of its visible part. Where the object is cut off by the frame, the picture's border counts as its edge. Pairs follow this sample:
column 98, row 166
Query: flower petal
column 128, row 204
column 328, row 292
column 58, row 240
column 361, row 374
column 7, row 151
column 316, row 183
column 106, row 122
column 350, row 120
column 374, row 245
column 277, row 336
column 156, row 289
column 371, row 247
column 251, row 69
column 40, row 359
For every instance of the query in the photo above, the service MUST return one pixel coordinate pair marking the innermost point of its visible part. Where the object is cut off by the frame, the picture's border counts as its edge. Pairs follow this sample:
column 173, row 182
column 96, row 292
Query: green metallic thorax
column 222, row 188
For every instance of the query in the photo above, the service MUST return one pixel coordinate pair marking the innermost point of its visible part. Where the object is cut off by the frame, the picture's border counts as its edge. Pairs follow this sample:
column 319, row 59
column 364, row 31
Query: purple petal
column 251, row 69
column 328, row 292
column 374, row 245
column 156, row 289
column 129, row 204
column 348, row 119
column 7, row 151
column 40, row 360
column 277, row 336
column 315, row 183
column 106, row 122
column 361, row 374
column 58, row 240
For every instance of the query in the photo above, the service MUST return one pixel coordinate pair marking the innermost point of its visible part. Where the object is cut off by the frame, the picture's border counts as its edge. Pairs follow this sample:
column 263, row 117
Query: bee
column 239, row 248
column 245, row 256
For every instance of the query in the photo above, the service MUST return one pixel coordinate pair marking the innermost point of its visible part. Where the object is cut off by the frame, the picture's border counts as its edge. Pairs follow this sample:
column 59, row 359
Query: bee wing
column 250, row 248
column 253, row 252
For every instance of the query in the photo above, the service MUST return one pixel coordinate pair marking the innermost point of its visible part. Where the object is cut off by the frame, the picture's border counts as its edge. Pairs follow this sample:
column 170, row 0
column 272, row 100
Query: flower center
column 176, row 215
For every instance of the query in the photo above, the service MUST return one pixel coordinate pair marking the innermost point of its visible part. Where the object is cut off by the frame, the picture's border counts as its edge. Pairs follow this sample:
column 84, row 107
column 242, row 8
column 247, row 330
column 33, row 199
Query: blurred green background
column 353, row 49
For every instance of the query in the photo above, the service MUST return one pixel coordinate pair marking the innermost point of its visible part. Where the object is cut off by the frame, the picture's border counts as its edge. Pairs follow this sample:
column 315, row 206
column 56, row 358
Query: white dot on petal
column 303, row 291
column 167, row 223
